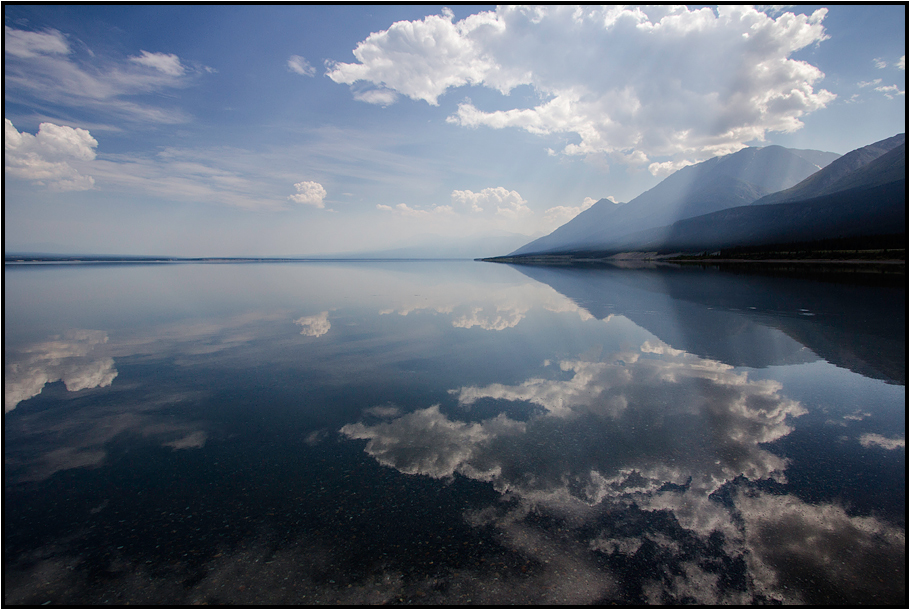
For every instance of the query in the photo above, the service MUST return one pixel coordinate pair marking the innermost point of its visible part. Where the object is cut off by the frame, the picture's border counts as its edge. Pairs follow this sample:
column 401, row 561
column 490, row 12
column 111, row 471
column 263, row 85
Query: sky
column 208, row 130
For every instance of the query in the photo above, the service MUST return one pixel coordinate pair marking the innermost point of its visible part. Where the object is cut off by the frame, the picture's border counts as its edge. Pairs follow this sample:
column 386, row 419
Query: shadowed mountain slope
column 834, row 177
column 855, row 213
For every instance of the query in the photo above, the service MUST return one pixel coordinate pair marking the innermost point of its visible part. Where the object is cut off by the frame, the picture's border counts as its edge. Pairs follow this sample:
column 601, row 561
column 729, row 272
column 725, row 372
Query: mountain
column 437, row 246
column 829, row 179
column 716, row 184
column 578, row 230
column 876, row 211
column 867, row 202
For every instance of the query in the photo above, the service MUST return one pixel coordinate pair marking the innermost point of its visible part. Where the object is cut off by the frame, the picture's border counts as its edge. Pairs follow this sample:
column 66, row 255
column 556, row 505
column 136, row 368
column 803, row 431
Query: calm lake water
column 452, row 432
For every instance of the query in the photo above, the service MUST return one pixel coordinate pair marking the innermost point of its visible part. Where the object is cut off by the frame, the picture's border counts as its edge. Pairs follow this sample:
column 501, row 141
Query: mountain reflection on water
column 451, row 433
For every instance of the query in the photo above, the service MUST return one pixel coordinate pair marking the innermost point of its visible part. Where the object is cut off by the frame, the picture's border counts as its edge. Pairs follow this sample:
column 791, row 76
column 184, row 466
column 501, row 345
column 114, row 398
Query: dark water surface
column 451, row 432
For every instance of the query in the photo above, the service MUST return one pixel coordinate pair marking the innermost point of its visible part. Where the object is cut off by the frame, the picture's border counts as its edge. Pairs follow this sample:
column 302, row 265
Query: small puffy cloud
column 900, row 65
column 314, row 326
column 301, row 66
column 877, row 440
column 309, row 193
column 662, row 170
column 45, row 158
column 880, row 63
column 166, row 63
column 445, row 446
column 500, row 319
column 404, row 209
column 869, row 83
column 507, row 203
column 563, row 213
column 706, row 81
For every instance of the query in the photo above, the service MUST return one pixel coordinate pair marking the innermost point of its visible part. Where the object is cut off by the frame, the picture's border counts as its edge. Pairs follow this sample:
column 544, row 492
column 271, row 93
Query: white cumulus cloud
column 309, row 193
column 636, row 83
column 564, row 213
column 507, row 203
column 45, row 158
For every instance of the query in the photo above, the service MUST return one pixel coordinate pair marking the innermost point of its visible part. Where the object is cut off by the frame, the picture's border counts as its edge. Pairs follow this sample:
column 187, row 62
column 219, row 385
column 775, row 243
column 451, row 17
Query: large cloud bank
column 635, row 83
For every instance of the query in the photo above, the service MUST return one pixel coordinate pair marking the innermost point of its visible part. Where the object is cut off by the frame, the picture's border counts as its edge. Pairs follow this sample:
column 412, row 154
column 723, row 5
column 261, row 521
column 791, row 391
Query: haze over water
column 452, row 432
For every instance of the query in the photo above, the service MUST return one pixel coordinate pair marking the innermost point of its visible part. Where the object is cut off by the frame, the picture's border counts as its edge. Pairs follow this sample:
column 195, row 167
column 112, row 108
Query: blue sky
column 294, row 130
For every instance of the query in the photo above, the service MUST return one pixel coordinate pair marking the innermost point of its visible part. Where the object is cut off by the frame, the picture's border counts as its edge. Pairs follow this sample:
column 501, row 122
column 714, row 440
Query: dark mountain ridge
column 865, row 211
column 860, row 194
column 833, row 177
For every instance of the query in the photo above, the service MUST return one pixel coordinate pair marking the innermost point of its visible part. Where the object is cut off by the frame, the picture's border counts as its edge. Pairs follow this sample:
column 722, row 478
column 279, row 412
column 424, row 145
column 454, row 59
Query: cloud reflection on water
column 314, row 326
column 73, row 359
column 631, row 423
column 658, row 430
column 493, row 309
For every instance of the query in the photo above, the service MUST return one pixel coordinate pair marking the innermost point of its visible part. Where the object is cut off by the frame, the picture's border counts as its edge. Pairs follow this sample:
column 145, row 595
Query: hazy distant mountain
column 580, row 229
column 716, row 184
column 832, row 178
column 436, row 246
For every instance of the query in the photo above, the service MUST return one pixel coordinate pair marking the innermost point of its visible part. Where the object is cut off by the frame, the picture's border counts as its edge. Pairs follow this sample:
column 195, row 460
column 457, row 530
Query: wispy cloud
column 44, row 68
column 301, row 66
column 890, row 91
column 166, row 63
column 404, row 209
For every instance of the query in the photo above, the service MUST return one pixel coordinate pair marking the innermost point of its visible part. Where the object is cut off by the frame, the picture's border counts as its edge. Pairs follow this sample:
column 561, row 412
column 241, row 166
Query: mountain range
column 754, row 197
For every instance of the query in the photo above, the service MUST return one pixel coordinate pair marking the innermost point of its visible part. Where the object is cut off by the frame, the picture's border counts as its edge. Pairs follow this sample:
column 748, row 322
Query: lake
column 452, row 432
